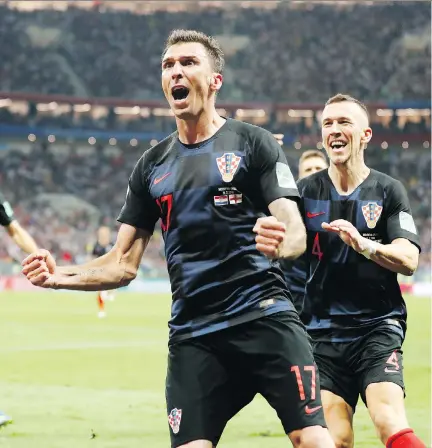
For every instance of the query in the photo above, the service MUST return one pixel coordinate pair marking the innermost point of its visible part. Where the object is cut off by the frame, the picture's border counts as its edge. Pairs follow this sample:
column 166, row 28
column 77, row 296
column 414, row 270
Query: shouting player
column 361, row 234
column 311, row 161
column 103, row 246
column 24, row 241
column 234, row 331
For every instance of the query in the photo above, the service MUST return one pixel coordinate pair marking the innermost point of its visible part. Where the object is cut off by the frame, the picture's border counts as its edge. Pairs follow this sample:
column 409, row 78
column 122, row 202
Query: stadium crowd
column 101, row 180
column 291, row 53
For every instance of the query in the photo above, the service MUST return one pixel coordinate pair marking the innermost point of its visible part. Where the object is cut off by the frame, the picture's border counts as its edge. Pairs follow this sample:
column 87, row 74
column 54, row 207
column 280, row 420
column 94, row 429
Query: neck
column 347, row 177
column 199, row 128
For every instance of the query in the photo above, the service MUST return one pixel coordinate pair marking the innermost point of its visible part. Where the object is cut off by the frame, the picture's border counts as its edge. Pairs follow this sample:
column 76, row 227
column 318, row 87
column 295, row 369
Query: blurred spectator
column 292, row 53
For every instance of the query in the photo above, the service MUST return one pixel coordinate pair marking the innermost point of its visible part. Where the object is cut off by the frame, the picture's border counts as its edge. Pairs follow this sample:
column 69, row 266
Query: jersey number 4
column 316, row 248
column 165, row 205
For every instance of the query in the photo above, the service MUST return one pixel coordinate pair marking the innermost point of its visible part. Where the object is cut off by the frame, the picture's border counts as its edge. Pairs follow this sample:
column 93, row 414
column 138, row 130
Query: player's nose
column 335, row 129
column 177, row 71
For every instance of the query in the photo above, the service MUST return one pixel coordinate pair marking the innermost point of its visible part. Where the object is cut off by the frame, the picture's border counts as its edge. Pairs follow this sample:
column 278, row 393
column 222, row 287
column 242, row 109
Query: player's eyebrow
column 336, row 118
column 181, row 58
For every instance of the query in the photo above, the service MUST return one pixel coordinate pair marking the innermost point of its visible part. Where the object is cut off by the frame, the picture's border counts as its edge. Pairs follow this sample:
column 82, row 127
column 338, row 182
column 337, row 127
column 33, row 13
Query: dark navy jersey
column 295, row 272
column 209, row 196
column 6, row 212
column 99, row 250
column 347, row 294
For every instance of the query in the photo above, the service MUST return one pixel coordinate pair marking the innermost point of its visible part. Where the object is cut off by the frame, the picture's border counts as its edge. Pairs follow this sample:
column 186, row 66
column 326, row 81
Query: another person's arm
column 19, row 235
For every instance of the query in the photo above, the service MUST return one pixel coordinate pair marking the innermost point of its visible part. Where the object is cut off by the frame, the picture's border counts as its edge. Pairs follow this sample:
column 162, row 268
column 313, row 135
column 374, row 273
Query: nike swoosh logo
column 314, row 215
column 387, row 370
column 160, row 179
column 309, row 410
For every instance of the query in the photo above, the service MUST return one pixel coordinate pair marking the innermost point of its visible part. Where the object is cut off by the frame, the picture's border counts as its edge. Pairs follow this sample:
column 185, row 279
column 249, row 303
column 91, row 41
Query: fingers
column 41, row 280
column 276, row 235
column 36, row 272
column 269, row 251
column 271, row 242
column 33, row 265
column 330, row 227
column 269, row 222
column 38, row 255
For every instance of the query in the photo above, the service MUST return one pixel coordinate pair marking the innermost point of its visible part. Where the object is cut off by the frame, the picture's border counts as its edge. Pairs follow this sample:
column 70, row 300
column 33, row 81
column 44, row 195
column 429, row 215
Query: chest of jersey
column 203, row 185
column 364, row 209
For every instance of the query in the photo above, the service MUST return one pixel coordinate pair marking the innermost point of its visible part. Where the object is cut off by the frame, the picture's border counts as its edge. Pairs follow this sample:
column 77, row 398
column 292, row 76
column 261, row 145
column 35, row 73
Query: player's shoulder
column 248, row 131
column 383, row 179
column 160, row 150
column 314, row 182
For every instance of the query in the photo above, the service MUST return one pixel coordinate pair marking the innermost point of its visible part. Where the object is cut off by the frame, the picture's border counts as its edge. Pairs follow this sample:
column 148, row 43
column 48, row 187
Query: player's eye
column 189, row 62
column 167, row 65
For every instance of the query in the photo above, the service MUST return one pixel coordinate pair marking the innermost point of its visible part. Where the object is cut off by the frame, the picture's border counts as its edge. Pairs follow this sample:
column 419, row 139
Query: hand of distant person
column 39, row 268
column 270, row 235
column 347, row 232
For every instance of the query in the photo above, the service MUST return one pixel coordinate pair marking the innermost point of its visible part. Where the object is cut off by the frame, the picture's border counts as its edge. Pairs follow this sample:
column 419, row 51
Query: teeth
column 337, row 143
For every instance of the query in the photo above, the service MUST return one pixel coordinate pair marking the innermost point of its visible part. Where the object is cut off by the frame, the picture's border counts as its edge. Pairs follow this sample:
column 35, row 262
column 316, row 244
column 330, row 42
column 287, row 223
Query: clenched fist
column 39, row 268
column 270, row 235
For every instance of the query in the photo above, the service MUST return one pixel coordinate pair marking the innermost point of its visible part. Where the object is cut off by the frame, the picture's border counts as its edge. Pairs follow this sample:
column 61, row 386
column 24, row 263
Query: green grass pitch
column 71, row 380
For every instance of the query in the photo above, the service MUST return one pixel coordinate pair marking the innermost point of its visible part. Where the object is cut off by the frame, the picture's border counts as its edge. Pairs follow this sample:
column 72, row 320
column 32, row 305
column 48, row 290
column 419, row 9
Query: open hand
column 347, row 232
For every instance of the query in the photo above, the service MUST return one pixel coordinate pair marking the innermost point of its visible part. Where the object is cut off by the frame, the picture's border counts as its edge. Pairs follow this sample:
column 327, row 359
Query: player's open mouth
column 337, row 145
column 179, row 93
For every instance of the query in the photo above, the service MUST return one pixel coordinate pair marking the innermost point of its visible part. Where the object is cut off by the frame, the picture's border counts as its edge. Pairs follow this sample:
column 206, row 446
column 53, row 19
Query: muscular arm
column 21, row 237
column 287, row 212
column 115, row 269
column 400, row 256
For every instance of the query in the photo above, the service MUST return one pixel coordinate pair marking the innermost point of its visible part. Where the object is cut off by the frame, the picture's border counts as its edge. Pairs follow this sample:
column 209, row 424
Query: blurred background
column 80, row 99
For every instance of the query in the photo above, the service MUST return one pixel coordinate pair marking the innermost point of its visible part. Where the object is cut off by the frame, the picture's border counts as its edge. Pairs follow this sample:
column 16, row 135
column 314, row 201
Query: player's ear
column 366, row 136
column 215, row 81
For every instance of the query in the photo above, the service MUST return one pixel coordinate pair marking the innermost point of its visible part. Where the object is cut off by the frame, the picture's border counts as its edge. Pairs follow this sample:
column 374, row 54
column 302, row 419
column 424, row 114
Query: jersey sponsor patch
column 227, row 165
column 174, row 419
column 406, row 222
column 371, row 212
column 8, row 209
column 284, row 176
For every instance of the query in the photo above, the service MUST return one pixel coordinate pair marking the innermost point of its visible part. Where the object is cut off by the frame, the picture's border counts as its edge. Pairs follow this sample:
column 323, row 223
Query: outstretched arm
column 115, row 269
column 400, row 256
column 21, row 237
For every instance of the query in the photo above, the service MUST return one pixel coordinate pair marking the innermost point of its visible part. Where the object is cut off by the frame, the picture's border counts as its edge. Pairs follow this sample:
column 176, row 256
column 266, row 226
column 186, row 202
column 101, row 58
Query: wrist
column 370, row 248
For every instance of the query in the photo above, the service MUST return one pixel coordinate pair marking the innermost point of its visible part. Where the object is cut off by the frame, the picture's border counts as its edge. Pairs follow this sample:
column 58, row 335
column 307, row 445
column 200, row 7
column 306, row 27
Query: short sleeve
column 140, row 209
column 275, row 177
column 6, row 212
column 400, row 222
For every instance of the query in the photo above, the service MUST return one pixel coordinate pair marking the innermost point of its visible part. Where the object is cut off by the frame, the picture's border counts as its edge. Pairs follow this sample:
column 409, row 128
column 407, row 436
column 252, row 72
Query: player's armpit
column 115, row 269
column 400, row 256
column 286, row 211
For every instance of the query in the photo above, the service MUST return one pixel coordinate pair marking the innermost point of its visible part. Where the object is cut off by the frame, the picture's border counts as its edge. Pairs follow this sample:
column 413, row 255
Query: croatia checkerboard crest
column 371, row 212
column 228, row 164
column 174, row 419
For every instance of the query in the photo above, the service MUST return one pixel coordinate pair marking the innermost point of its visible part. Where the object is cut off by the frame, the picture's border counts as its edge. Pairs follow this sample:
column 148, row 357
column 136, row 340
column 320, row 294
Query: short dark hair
column 341, row 97
column 312, row 153
column 211, row 45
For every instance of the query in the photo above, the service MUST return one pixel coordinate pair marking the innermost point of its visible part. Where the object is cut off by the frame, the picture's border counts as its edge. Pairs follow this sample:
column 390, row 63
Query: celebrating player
column 311, row 161
column 234, row 331
column 361, row 234
column 24, row 241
